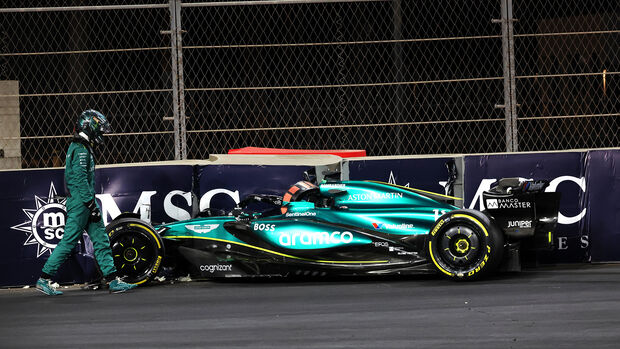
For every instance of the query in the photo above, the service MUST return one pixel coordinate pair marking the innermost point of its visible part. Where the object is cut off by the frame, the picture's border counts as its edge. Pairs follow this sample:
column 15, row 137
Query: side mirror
column 310, row 175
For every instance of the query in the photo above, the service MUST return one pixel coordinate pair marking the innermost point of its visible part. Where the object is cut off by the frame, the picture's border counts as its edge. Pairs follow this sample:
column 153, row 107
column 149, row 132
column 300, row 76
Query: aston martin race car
column 338, row 228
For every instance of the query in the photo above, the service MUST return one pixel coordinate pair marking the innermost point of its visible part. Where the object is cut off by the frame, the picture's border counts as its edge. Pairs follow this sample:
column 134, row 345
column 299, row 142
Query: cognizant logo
column 315, row 238
column 212, row 268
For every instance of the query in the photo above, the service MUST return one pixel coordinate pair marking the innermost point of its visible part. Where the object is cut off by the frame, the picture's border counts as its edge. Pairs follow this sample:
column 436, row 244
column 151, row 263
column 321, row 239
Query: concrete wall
column 10, row 146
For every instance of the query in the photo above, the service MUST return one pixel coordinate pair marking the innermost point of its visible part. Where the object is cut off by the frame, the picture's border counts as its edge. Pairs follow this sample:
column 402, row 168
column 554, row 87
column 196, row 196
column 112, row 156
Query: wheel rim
column 133, row 255
column 460, row 246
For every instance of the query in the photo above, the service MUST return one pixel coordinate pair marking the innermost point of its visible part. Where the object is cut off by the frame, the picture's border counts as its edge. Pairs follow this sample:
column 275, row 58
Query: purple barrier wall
column 565, row 171
column 602, row 200
column 421, row 173
column 31, row 224
column 221, row 187
column 157, row 193
column 33, row 216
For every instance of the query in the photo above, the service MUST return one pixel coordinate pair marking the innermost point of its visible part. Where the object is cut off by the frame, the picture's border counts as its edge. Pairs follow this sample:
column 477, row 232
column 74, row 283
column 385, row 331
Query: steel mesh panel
column 64, row 3
column 113, row 60
column 567, row 56
column 356, row 75
column 374, row 139
column 68, row 73
column 391, row 77
column 319, row 107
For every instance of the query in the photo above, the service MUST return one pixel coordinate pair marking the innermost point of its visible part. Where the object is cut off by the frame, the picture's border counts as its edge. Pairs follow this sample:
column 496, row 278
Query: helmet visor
column 105, row 127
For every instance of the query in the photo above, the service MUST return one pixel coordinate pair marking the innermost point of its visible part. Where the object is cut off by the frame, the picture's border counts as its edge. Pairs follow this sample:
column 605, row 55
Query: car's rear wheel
column 465, row 245
column 136, row 248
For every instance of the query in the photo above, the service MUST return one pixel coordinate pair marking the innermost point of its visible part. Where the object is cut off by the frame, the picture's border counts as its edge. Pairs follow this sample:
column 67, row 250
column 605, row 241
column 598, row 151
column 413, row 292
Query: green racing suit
column 80, row 182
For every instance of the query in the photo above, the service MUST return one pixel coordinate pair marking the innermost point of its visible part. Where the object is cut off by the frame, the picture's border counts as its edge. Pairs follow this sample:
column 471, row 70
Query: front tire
column 465, row 245
column 136, row 248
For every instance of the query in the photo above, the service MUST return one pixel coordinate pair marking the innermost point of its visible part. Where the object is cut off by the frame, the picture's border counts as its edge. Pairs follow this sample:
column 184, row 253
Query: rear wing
column 522, row 209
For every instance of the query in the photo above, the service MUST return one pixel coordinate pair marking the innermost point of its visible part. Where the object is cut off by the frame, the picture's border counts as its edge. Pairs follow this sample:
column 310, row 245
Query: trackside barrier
column 602, row 202
column 33, row 214
column 32, row 219
column 565, row 170
column 31, row 224
column 589, row 221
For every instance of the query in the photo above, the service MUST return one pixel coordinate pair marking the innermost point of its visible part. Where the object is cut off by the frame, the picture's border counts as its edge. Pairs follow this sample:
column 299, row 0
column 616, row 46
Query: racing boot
column 117, row 286
column 46, row 286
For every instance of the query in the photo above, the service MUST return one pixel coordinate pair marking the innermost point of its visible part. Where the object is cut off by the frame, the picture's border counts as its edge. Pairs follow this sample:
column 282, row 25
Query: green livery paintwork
column 211, row 227
column 357, row 207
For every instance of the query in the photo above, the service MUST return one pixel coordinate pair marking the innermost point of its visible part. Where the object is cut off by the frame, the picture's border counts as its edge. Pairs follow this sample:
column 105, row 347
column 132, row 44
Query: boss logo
column 264, row 227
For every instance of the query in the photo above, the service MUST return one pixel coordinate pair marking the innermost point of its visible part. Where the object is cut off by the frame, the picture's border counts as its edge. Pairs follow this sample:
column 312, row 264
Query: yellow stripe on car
column 418, row 190
column 274, row 252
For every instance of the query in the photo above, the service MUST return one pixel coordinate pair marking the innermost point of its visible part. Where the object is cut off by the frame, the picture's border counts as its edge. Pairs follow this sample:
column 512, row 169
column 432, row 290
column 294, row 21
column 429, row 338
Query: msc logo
column 45, row 224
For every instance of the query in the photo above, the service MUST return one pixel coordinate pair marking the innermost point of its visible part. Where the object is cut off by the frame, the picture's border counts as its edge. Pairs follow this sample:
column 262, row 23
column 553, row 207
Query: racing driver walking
column 82, row 211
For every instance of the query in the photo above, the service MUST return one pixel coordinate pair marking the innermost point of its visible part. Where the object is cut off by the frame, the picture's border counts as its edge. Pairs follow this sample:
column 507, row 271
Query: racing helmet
column 94, row 125
column 297, row 192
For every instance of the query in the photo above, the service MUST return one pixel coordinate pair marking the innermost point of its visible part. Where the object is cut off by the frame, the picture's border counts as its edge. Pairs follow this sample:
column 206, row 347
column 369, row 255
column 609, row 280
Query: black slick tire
column 465, row 245
column 137, row 250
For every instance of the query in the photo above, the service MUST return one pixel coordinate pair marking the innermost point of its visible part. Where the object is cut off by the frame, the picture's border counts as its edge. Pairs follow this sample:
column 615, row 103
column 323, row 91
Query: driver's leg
column 101, row 245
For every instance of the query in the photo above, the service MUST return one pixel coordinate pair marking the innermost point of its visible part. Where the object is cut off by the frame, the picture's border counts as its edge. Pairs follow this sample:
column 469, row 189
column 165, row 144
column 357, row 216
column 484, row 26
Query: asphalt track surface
column 574, row 306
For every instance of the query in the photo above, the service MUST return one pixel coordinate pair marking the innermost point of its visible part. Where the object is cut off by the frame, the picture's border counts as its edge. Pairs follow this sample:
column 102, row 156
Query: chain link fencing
column 567, row 57
column 67, row 60
column 391, row 77
column 185, row 79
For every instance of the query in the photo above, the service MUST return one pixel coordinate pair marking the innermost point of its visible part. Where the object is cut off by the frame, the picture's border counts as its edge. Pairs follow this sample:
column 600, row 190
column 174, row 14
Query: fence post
column 397, row 55
column 178, row 87
column 510, row 104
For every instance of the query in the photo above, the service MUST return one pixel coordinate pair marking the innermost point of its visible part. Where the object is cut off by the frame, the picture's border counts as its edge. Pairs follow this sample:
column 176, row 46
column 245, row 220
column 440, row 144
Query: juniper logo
column 45, row 224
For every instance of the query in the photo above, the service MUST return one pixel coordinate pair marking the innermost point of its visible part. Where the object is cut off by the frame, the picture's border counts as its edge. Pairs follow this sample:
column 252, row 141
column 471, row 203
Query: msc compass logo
column 46, row 223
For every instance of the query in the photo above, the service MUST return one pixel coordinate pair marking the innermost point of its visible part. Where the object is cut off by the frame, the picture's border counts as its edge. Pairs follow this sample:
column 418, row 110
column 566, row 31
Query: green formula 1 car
column 344, row 228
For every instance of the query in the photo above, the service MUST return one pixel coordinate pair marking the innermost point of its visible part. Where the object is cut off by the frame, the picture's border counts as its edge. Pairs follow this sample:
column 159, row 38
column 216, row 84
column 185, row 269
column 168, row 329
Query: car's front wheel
column 136, row 248
column 465, row 245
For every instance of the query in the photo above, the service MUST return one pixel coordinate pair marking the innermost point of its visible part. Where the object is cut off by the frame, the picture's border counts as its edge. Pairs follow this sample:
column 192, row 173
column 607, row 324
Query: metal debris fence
column 182, row 79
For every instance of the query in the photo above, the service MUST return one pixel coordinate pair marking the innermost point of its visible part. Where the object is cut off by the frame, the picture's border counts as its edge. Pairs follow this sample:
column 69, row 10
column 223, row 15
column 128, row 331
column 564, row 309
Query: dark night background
column 336, row 85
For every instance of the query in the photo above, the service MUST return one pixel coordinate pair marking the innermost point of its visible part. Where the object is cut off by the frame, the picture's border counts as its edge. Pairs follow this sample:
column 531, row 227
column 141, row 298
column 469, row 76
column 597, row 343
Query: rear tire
column 465, row 245
column 137, row 250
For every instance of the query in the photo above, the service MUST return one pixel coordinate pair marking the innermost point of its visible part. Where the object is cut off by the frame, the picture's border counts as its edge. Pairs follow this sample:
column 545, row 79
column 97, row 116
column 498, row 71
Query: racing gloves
column 95, row 214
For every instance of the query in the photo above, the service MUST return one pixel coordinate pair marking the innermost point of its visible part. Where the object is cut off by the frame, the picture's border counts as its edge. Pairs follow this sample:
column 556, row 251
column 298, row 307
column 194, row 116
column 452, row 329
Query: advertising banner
column 34, row 214
column 222, row 187
column 428, row 174
column 161, row 193
column 32, row 222
column 566, row 173
column 602, row 220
